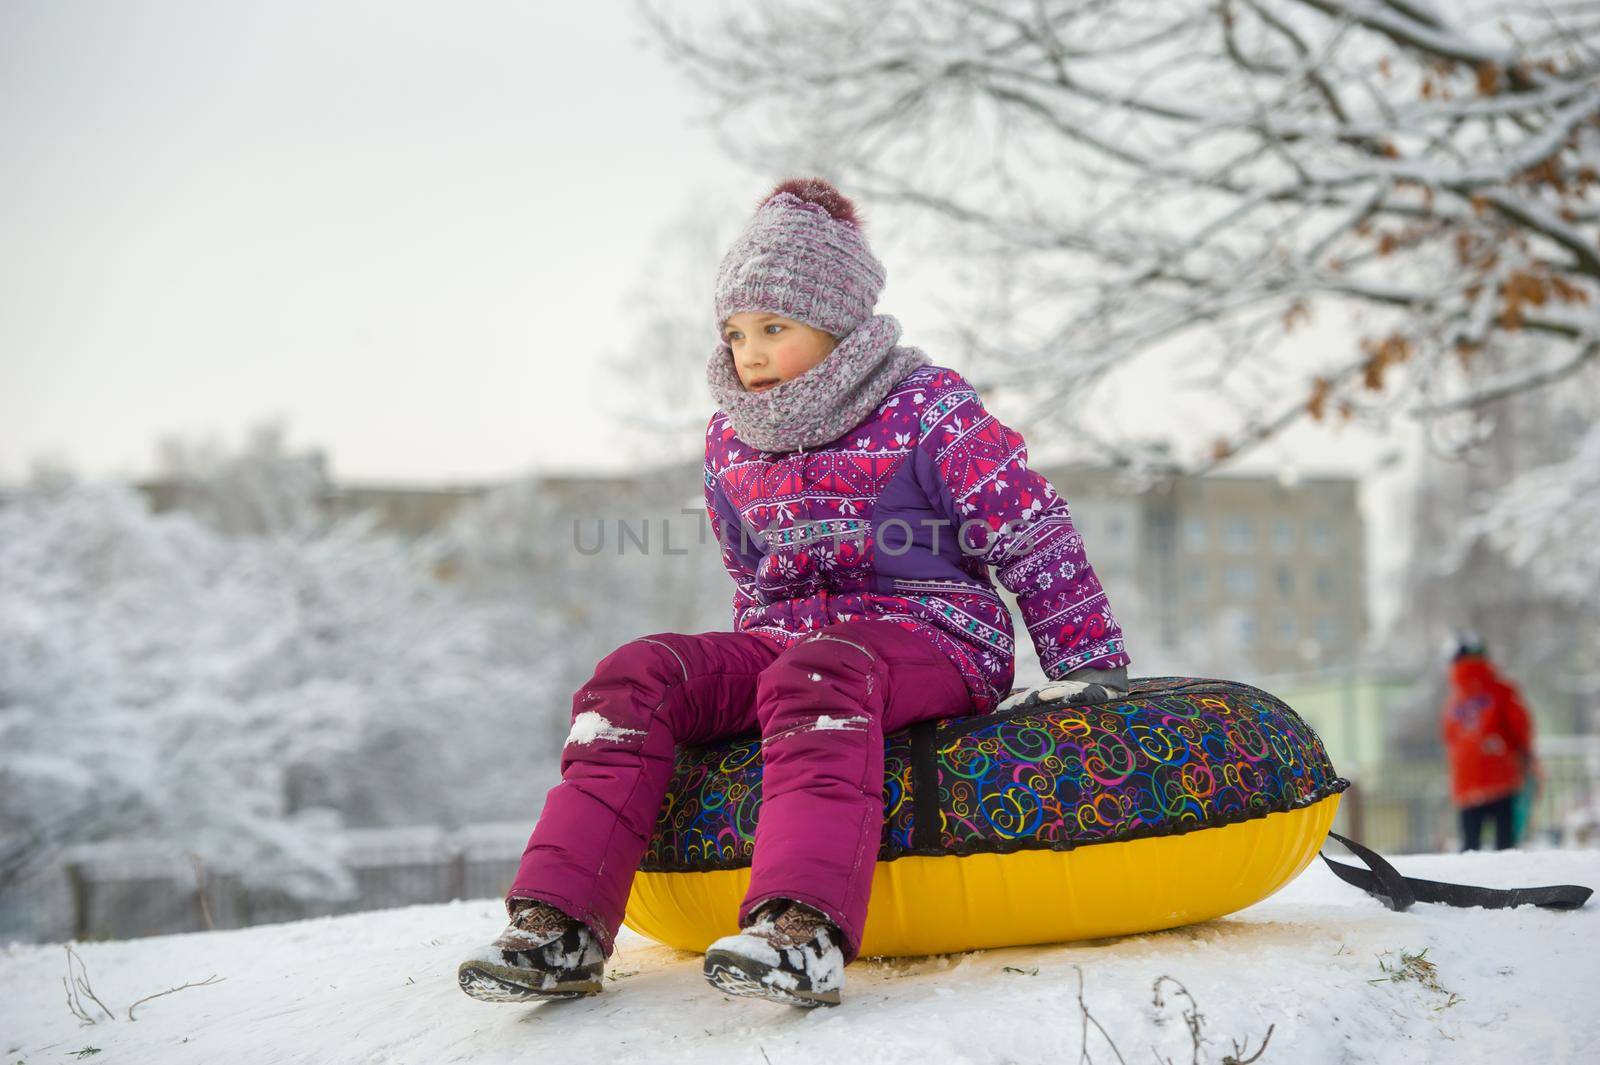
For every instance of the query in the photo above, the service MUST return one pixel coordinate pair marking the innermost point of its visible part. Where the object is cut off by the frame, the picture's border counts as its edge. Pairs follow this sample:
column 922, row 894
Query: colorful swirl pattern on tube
column 1179, row 754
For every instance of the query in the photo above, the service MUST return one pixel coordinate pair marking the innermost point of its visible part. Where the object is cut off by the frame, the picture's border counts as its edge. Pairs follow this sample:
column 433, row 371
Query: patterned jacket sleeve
column 725, row 530
column 1013, row 518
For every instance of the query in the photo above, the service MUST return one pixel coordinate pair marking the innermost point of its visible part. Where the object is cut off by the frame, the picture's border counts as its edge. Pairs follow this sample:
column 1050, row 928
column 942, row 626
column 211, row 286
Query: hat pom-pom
column 819, row 192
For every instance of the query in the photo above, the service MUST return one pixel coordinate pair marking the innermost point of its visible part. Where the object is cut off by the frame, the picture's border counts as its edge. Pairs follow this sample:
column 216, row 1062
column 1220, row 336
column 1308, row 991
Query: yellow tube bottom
column 946, row 904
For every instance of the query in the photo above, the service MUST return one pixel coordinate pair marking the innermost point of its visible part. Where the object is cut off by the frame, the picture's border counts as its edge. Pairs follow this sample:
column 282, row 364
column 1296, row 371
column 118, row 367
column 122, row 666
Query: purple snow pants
column 822, row 705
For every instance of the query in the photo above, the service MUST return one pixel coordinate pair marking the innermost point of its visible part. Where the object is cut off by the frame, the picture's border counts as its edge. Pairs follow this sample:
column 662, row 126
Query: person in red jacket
column 1488, row 737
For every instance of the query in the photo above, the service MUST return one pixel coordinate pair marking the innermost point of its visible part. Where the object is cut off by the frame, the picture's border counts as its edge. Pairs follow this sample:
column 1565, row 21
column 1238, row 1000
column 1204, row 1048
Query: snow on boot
column 787, row 953
column 542, row 954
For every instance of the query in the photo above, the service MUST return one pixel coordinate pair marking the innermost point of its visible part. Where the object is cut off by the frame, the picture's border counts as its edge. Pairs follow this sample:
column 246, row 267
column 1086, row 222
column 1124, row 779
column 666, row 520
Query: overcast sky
column 404, row 229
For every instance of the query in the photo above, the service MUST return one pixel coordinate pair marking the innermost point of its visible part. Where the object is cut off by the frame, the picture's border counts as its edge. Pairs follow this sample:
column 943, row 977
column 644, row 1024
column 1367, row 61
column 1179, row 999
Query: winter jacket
column 902, row 518
column 1487, row 733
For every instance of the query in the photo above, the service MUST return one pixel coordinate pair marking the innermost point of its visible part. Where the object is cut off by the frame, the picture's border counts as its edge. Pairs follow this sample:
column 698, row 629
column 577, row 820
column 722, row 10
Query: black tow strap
column 925, row 818
column 1398, row 892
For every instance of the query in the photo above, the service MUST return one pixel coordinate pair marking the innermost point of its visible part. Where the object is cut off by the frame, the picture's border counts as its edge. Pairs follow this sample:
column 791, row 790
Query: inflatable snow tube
column 1187, row 800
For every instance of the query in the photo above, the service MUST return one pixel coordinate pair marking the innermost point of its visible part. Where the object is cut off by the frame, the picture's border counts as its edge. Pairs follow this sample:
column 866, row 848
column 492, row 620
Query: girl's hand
column 1078, row 688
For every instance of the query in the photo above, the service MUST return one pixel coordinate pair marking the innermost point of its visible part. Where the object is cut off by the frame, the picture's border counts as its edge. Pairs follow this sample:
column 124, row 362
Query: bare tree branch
column 212, row 979
column 1156, row 173
column 1514, row 384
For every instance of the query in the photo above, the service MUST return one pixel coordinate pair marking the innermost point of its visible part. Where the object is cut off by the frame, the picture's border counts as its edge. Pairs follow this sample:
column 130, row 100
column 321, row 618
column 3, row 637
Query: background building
column 1257, row 569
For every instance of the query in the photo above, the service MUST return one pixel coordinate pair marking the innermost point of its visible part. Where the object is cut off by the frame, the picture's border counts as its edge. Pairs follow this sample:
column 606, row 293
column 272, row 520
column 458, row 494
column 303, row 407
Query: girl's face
column 769, row 349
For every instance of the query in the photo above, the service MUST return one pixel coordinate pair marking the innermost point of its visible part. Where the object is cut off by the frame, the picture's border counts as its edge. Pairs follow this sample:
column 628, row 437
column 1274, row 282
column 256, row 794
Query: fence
column 1406, row 808
column 124, row 890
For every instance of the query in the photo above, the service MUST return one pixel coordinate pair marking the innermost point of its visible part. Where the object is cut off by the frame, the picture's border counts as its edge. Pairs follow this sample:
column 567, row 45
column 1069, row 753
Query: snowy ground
column 1314, row 962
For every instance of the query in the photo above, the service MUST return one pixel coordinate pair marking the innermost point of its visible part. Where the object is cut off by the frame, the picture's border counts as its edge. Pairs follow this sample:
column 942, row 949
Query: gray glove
column 1078, row 688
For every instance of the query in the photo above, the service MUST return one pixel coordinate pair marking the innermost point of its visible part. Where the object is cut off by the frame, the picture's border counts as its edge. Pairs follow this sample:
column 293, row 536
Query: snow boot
column 543, row 954
column 788, row 953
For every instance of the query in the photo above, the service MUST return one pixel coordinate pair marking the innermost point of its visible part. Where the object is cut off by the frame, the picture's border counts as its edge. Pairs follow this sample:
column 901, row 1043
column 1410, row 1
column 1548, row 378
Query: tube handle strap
column 1384, row 882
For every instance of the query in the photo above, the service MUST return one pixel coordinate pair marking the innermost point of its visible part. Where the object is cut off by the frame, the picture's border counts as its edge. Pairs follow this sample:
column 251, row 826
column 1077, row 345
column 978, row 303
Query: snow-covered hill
column 1320, row 964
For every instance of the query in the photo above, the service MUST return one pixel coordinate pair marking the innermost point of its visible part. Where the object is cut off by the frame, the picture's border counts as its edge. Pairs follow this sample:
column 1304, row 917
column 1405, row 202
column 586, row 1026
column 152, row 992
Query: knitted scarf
column 826, row 401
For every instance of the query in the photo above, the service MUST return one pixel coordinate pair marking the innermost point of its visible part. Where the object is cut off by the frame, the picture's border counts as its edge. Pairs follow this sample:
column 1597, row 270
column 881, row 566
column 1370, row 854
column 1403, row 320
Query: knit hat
column 803, row 256
column 1465, row 643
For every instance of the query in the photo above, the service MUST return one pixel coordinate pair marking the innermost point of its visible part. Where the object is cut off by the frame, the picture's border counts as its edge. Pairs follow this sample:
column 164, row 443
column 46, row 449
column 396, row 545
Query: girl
column 860, row 496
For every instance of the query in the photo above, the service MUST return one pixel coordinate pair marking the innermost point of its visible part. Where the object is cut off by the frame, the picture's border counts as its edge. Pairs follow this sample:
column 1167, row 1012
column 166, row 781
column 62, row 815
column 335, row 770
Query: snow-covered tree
column 1546, row 526
column 1503, row 541
column 262, row 487
column 237, row 694
column 1135, row 179
column 1547, row 522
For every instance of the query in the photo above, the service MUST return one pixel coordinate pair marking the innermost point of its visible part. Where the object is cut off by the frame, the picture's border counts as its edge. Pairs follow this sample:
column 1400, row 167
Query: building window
column 1199, row 582
column 1115, row 530
column 1163, row 538
column 1285, row 629
column 1327, row 632
column 1283, row 536
column 1283, row 576
column 1240, row 534
column 1248, row 632
column 1325, row 582
column 1321, row 536
column 1240, row 581
column 1195, row 534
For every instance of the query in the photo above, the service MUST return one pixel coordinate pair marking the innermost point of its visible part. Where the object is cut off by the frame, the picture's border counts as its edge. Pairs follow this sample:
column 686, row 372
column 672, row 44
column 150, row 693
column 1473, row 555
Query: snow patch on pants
column 591, row 725
column 823, row 723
